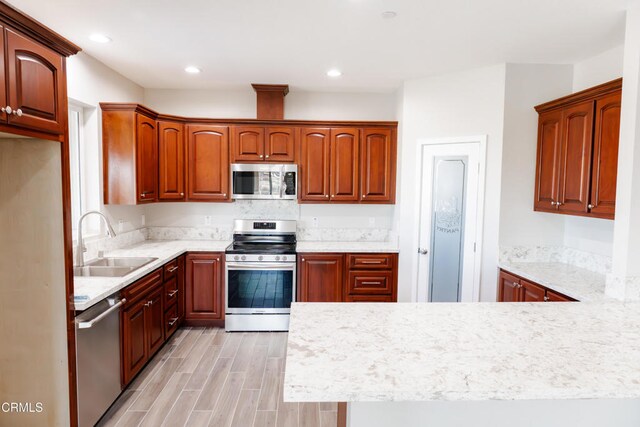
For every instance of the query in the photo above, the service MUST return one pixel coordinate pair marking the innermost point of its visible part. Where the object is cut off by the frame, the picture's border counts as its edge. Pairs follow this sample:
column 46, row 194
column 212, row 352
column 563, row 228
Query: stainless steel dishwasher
column 98, row 359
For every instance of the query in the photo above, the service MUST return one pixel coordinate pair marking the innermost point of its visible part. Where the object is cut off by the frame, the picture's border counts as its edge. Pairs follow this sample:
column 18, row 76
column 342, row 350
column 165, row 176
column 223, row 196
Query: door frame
column 422, row 144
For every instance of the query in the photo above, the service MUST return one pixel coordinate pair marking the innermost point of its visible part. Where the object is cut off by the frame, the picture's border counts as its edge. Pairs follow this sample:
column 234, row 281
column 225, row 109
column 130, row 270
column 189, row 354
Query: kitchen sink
column 111, row 267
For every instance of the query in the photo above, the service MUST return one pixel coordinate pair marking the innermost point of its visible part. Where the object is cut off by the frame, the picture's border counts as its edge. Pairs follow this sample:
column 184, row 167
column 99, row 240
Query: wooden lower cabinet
column 512, row 288
column 204, row 288
column 320, row 277
column 347, row 277
column 142, row 332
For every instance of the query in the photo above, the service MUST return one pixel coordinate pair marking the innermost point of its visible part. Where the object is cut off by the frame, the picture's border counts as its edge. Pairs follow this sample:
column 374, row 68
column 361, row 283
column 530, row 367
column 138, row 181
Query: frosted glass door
column 447, row 228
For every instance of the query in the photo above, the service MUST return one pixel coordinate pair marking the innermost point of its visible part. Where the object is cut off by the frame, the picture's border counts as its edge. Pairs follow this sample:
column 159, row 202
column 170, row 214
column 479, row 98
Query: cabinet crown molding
column 583, row 95
column 17, row 20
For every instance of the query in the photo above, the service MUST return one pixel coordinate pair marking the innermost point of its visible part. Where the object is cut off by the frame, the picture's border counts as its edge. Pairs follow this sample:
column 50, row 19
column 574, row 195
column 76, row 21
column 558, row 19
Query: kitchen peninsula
column 490, row 364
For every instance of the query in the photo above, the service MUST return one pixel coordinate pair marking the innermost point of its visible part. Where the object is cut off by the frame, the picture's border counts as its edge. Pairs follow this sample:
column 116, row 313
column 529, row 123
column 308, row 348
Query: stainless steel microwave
column 264, row 181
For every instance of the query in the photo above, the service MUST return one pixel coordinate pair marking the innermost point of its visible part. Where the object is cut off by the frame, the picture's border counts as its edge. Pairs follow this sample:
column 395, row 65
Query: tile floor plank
column 131, row 419
column 117, row 410
column 328, row 406
column 309, row 415
column 185, row 345
column 198, row 419
column 270, row 393
column 165, row 400
column 180, row 412
column 202, row 371
column 155, row 386
column 226, row 406
column 213, row 386
column 231, row 344
column 257, row 363
column 265, row 419
column 245, row 351
column 245, row 412
column 328, row 418
column 192, row 358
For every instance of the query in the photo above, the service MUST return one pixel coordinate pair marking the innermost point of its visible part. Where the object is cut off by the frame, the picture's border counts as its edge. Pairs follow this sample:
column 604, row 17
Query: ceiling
column 237, row 42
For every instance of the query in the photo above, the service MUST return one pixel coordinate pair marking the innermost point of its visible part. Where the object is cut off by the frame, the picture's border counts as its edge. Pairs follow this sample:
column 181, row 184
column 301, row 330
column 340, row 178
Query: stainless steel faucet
column 80, row 246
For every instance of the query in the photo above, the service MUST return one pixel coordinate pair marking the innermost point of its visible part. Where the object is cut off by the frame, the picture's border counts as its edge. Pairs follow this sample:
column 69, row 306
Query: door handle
column 423, row 251
column 90, row 323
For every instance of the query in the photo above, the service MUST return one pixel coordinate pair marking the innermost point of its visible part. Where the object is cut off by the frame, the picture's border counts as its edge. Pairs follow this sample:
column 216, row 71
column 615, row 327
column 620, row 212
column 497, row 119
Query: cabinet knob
column 590, row 206
column 17, row 112
column 302, row 259
column 142, row 195
column 261, row 156
column 7, row 109
column 553, row 203
column 267, row 156
column 224, row 195
column 364, row 195
column 546, row 298
column 333, row 195
column 327, row 196
column 181, row 194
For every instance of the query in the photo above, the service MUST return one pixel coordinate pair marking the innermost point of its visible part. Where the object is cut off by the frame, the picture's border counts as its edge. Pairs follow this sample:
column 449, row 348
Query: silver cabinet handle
column 173, row 321
column 149, row 304
column 172, row 269
column 372, row 283
column 171, row 294
column 371, row 262
column 90, row 323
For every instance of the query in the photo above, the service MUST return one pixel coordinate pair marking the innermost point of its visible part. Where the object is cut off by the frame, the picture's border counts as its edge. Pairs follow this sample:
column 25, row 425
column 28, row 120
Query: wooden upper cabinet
column 171, row 185
column 208, row 162
column 575, row 157
column 257, row 144
column 378, row 166
column 320, row 277
column 36, row 88
column 344, row 164
column 280, row 144
column 147, row 161
column 247, row 143
column 547, row 174
column 605, row 156
column 577, row 161
column 315, row 164
column 204, row 281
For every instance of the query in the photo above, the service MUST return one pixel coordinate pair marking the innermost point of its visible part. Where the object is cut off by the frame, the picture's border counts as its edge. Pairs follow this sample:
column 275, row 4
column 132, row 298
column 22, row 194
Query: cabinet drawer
column 370, row 261
column 370, row 298
column 138, row 289
column 171, row 291
column 171, row 269
column 370, row 282
column 171, row 320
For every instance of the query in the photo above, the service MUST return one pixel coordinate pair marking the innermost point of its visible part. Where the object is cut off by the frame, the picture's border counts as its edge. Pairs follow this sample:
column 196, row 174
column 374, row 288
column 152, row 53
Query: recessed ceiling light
column 99, row 38
column 334, row 73
column 192, row 70
column 389, row 14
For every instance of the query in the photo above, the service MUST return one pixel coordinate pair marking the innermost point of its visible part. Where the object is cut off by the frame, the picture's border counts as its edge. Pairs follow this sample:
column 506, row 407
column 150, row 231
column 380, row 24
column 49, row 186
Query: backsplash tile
column 589, row 261
column 190, row 233
column 343, row 234
column 105, row 243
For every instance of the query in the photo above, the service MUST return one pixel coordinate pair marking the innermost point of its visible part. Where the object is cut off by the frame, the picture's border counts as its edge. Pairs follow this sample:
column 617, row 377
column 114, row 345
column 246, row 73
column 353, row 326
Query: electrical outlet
column 372, row 221
column 207, row 220
column 314, row 221
column 143, row 220
column 120, row 225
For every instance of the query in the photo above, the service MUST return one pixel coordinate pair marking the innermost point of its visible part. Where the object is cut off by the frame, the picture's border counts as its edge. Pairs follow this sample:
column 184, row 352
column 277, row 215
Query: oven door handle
column 260, row 266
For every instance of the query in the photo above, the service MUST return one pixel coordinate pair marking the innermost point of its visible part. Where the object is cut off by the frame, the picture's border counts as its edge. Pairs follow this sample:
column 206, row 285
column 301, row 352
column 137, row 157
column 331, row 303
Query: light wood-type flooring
column 207, row 377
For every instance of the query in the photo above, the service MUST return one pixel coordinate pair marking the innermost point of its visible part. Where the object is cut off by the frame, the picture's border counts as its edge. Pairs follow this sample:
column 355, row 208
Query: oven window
column 260, row 289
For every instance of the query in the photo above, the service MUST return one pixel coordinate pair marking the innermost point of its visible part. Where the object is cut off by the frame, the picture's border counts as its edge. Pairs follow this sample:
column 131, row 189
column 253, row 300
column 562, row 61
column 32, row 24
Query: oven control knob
column 260, row 258
column 236, row 257
column 284, row 258
column 243, row 257
column 277, row 257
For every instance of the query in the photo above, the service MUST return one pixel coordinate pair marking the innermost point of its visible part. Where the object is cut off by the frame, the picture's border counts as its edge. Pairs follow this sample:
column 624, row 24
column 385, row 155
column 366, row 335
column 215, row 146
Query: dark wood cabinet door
column 155, row 320
column 344, row 175
column 508, row 288
column 320, row 277
column 208, row 162
column 604, row 171
column 557, row 297
column 378, row 166
column 204, row 296
column 531, row 292
column 171, row 161
column 3, row 87
column 314, row 165
column 575, row 158
column 134, row 340
column 36, row 84
column 247, row 143
column 548, row 157
column 280, row 144
column 147, row 159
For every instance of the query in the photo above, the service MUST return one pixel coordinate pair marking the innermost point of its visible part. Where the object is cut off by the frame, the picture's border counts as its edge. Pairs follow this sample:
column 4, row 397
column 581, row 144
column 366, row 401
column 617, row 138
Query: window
column 76, row 162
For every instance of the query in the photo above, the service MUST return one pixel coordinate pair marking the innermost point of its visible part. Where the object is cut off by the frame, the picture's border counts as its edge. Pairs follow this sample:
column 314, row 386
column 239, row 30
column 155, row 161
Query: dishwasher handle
column 99, row 317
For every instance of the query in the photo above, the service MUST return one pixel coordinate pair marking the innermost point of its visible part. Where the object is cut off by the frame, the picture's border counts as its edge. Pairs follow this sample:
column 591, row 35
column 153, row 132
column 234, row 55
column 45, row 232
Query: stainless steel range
column 260, row 275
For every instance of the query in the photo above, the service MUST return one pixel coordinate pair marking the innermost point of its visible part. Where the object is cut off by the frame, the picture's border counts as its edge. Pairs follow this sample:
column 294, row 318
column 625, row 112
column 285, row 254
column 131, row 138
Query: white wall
column 298, row 105
column 527, row 85
column 453, row 105
column 89, row 83
column 598, row 69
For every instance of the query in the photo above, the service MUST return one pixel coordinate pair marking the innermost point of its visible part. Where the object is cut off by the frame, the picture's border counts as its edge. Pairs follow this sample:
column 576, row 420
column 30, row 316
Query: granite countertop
column 369, row 247
column 354, row 352
column 98, row 288
column 575, row 282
